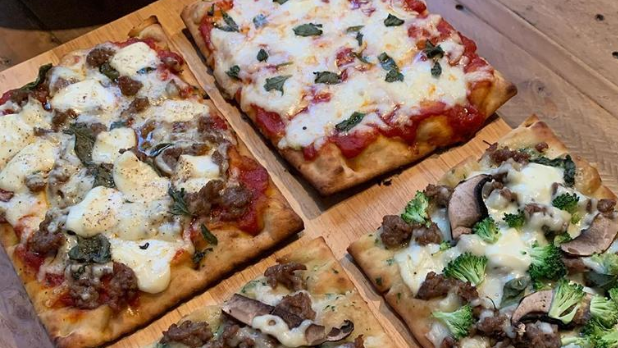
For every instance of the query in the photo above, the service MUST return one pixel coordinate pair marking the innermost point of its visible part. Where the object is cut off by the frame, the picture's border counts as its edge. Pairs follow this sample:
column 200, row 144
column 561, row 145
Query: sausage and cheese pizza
column 516, row 249
column 347, row 89
column 123, row 191
column 306, row 300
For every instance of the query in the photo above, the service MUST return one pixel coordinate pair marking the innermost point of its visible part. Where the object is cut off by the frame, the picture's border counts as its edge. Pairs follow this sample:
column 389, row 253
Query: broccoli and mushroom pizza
column 123, row 191
column 516, row 249
column 305, row 300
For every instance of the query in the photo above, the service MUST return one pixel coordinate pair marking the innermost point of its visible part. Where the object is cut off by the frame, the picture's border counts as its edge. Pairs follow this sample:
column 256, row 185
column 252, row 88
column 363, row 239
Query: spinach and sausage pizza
column 123, row 191
column 305, row 300
column 347, row 89
column 516, row 249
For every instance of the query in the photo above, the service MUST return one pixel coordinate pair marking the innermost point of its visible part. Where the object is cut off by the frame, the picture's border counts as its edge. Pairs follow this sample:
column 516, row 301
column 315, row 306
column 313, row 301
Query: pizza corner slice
column 347, row 89
column 306, row 300
column 123, row 191
column 516, row 249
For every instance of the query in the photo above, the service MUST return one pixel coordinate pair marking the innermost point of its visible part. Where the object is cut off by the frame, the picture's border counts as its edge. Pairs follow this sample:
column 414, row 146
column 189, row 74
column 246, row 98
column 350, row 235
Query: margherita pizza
column 304, row 301
column 347, row 89
column 517, row 250
column 123, row 191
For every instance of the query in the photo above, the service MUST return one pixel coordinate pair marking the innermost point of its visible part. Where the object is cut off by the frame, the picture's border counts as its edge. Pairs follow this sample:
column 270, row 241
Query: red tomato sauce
column 269, row 122
column 255, row 178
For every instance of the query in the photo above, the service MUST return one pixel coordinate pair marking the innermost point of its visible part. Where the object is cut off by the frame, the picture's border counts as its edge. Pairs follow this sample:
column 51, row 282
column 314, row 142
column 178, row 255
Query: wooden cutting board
column 341, row 219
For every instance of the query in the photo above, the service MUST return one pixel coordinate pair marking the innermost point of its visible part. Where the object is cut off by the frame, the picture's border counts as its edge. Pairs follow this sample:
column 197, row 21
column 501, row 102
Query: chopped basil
column 43, row 69
column 233, row 72
column 392, row 21
column 327, row 77
column 157, row 149
column 432, row 51
column 276, row 83
column 353, row 120
column 84, row 141
column 179, row 207
column 95, row 249
column 393, row 76
column 198, row 256
column 309, row 29
column 107, row 70
column 387, row 62
column 262, row 55
column 259, row 21
column 280, row 2
column 359, row 38
column 208, row 236
column 360, row 57
column 436, row 70
column 229, row 21
column 283, row 64
column 102, row 175
column 514, row 290
column 379, row 281
column 118, row 124
column 354, row 29
column 145, row 70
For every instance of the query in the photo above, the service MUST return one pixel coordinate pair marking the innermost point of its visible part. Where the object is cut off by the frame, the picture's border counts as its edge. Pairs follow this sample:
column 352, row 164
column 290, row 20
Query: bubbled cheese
column 15, row 135
column 130, row 59
column 193, row 172
column 137, row 180
column 108, row 144
column 87, row 96
column 36, row 157
column 96, row 213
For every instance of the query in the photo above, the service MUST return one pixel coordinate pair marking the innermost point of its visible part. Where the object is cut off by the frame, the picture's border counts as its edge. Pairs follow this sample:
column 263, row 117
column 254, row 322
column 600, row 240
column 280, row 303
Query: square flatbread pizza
column 516, row 249
column 306, row 300
column 347, row 89
column 124, row 191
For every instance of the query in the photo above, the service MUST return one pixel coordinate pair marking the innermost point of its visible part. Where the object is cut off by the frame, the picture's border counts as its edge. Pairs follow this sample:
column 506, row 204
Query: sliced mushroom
column 595, row 239
column 245, row 309
column 466, row 206
column 532, row 306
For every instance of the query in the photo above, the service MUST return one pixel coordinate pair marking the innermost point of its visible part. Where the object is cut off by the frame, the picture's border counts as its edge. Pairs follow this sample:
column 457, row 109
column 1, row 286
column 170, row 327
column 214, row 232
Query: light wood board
column 343, row 218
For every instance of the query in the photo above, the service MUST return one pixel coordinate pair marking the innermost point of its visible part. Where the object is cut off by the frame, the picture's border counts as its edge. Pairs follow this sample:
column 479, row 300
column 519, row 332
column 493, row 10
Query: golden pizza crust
column 371, row 255
column 324, row 276
column 331, row 172
column 72, row 327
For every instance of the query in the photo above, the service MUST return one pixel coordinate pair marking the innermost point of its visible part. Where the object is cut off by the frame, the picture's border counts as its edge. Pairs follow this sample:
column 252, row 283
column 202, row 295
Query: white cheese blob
column 416, row 261
column 34, row 115
column 108, row 145
column 26, row 210
column 509, row 253
column 151, row 265
column 36, row 157
column 533, row 183
column 137, row 180
column 142, row 220
column 276, row 327
column 15, row 135
column 88, row 96
column 179, row 110
column 130, row 59
column 97, row 213
column 193, row 172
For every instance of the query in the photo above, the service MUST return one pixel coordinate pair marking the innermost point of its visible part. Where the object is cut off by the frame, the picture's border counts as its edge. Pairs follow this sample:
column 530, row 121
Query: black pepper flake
column 145, row 246
column 304, row 128
column 459, row 7
column 599, row 17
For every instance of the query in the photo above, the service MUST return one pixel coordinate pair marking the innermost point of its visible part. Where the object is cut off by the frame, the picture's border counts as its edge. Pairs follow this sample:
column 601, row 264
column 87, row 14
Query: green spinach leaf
column 43, row 69
column 514, row 290
column 95, row 249
column 208, row 236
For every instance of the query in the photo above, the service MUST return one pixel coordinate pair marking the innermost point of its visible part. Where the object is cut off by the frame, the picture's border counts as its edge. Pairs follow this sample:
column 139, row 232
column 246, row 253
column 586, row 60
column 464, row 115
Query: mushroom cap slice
column 532, row 306
column 466, row 206
column 316, row 334
column 244, row 309
column 595, row 239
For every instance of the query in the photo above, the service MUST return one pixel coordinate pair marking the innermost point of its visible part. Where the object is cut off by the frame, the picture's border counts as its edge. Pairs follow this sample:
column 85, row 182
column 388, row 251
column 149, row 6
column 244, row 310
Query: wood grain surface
column 507, row 40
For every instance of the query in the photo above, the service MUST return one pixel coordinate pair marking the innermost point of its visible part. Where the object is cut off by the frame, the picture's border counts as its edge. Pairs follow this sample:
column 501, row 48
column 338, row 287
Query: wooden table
column 558, row 54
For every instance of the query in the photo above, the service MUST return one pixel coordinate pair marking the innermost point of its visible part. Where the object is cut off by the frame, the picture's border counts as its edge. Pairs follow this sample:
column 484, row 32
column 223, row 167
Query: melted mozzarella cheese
column 36, row 157
column 87, row 96
column 533, row 183
column 151, row 265
column 276, row 327
column 193, row 172
column 15, row 135
column 137, row 180
column 143, row 220
column 130, row 59
column 26, row 210
column 509, row 253
column 179, row 111
column 34, row 114
column 96, row 213
column 108, row 145
column 416, row 261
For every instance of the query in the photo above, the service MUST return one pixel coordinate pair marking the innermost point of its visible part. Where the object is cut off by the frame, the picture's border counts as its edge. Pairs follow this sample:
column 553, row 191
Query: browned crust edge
column 370, row 254
column 70, row 327
column 332, row 172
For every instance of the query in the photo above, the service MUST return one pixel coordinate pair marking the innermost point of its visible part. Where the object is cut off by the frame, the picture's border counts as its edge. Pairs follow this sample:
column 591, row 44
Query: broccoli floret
column 487, row 230
column 593, row 330
column 546, row 263
column 582, row 342
column 515, row 220
column 613, row 294
column 608, row 340
column 608, row 262
column 566, row 202
column 467, row 268
column 458, row 322
column 562, row 238
column 604, row 310
column 445, row 245
column 566, row 301
column 416, row 209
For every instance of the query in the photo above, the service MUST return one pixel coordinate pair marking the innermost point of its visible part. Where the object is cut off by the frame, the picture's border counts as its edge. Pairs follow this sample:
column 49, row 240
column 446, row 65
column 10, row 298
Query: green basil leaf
column 198, row 256
column 43, row 69
column 102, row 175
column 95, row 249
column 283, row 64
column 327, row 77
column 118, row 124
column 107, row 70
column 436, row 70
column 84, row 141
column 229, row 21
column 233, row 72
column 262, row 55
column 360, row 57
column 179, row 205
column 309, row 29
column 392, row 21
column 354, row 29
column 393, row 76
column 276, row 83
column 432, row 51
column 387, row 62
column 359, row 38
column 353, row 120
column 145, row 70
column 259, row 21
column 514, row 290
column 208, row 236
column 280, row 2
